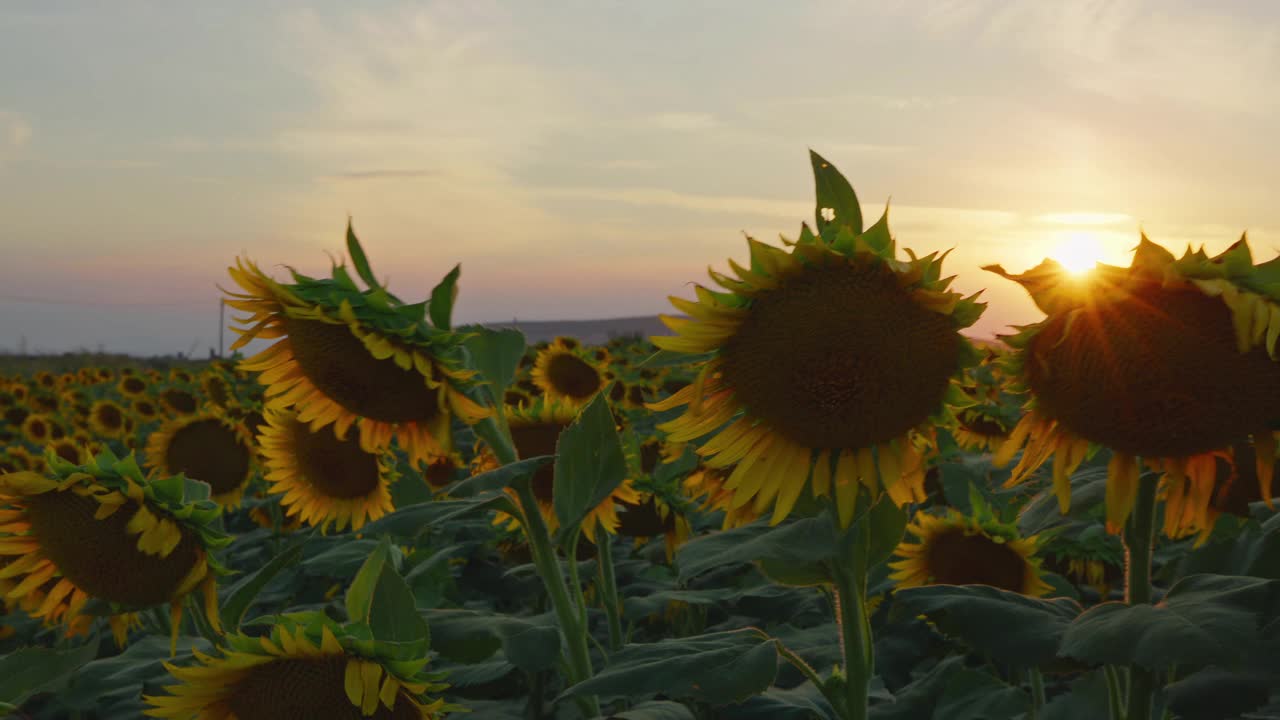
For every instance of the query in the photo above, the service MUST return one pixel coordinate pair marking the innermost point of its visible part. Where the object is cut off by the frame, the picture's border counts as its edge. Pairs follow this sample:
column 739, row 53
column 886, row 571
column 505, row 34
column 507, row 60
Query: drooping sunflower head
column 1164, row 362
column 535, row 430
column 828, row 358
column 980, row 431
column 326, row 480
column 345, row 354
column 108, row 419
column 102, row 531
column 300, row 671
column 567, row 373
column 207, row 447
column 955, row 549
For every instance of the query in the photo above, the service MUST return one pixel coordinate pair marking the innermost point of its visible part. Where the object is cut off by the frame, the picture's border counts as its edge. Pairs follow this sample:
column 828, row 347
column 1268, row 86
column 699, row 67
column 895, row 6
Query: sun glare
column 1079, row 253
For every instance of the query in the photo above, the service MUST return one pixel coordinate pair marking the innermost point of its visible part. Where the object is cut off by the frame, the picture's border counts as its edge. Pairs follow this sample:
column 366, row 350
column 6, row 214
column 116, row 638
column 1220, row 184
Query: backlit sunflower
column 346, row 354
column 207, row 447
column 326, row 481
column 828, row 361
column 535, row 430
column 1165, row 362
column 107, row 419
column 956, row 549
column 299, row 672
column 1224, row 481
column 100, row 530
column 566, row 373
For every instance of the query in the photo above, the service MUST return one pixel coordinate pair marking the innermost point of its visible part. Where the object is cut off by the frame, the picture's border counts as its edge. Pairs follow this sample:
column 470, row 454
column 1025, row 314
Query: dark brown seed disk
column 1156, row 374
column 207, row 450
column 340, row 366
column 954, row 558
column 305, row 689
column 840, row 356
column 100, row 557
column 572, row 376
column 338, row 468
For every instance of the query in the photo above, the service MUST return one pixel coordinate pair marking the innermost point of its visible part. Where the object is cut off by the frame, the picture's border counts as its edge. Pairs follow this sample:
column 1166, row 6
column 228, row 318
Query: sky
column 588, row 159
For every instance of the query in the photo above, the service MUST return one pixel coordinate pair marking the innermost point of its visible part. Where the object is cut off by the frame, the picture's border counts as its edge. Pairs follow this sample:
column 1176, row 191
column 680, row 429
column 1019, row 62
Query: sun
column 1079, row 252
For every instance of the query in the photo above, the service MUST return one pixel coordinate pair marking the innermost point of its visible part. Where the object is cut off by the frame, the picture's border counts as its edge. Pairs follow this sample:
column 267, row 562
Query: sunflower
column 36, row 428
column 441, row 471
column 206, row 447
column 1166, row 362
column 535, row 430
column 179, row 401
column 652, row 516
column 107, row 419
column 706, row 486
column 828, row 359
column 956, row 549
column 100, row 530
column 1224, row 481
column 567, row 374
column 299, row 671
column 144, row 409
column 132, row 386
column 216, row 388
column 346, row 354
column 979, row 431
column 325, row 480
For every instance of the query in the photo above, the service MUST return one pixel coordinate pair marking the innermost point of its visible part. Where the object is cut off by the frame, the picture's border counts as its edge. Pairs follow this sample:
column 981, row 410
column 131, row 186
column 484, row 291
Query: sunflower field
column 816, row 498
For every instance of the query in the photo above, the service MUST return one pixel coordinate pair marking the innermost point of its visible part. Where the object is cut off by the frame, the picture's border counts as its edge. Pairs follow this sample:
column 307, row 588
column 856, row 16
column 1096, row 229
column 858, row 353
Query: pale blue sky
column 586, row 159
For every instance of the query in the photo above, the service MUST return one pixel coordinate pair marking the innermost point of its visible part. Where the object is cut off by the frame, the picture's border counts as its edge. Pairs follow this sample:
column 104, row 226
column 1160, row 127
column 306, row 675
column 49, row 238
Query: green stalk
column 1037, row 692
column 609, row 589
column 849, row 592
column 544, row 558
column 1115, row 693
column 1139, row 537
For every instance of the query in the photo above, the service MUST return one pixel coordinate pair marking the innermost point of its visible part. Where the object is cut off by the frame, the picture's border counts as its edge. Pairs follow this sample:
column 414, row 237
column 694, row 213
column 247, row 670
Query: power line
column 8, row 297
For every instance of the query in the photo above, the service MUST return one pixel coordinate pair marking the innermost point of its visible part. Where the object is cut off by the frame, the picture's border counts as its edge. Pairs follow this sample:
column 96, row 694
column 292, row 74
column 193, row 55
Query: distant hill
column 592, row 332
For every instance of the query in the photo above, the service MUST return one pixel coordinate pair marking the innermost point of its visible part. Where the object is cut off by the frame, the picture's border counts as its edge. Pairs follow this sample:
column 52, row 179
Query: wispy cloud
column 684, row 121
column 385, row 175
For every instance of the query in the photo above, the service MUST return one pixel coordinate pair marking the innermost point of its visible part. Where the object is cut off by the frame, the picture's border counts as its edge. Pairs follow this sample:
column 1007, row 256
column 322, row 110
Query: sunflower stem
column 849, row 591
column 609, row 590
column 1115, row 693
column 1139, row 537
column 548, row 565
column 1037, row 692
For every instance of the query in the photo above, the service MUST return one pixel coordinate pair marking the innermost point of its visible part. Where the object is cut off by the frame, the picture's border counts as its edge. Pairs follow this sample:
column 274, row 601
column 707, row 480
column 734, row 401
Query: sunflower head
column 568, row 373
column 308, row 666
column 326, row 480
column 101, row 531
column 108, row 419
column 1164, row 362
column 822, row 362
column 346, row 354
column 132, row 386
column 535, row 430
column 208, row 447
column 179, row 401
column 955, row 549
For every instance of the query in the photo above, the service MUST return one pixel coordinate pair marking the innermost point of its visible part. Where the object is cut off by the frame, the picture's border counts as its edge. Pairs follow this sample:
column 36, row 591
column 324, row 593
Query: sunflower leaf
column 589, row 463
column 1203, row 620
column 358, row 258
column 495, row 354
column 835, row 198
column 717, row 668
column 36, row 669
column 801, row 543
column 499, row 478
column 359, row 599
column 653, row 710
column 1009, row 627
column 442, row 298
column 244, row 592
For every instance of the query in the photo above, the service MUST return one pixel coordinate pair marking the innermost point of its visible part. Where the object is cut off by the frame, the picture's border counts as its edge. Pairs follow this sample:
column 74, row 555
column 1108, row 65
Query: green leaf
column 499, row 478
column 245, row 591
column 359, row 598
column 1087, row 697
column 469, row 636
column 888, row 523
column 799, row 542
column 1216, row 693
column 836, row 194
column 803, row 702
column 973, row 695
column 393, row 616
column 1011, row 628
column 589, row 463
column 495, row 354
column 1203, row 620
column 99, row 684
column 654, row 710
column 31, row 670
column 358, row 258
column 412, row 521
column 718, row 668
column 442, row 298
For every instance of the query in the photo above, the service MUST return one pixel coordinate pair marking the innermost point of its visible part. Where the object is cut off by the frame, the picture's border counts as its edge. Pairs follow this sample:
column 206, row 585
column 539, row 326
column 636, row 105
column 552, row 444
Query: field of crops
column 816, row 498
